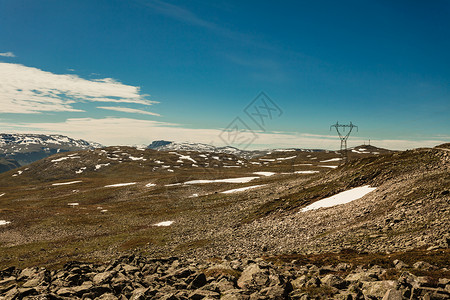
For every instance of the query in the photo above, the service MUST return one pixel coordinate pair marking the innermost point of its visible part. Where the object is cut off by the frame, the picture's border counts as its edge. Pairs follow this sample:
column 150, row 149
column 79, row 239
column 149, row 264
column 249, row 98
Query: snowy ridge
column 43, row 139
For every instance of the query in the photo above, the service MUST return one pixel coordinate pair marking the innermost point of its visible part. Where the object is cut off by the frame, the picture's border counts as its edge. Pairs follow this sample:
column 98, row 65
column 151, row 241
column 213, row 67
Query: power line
column 340, row 128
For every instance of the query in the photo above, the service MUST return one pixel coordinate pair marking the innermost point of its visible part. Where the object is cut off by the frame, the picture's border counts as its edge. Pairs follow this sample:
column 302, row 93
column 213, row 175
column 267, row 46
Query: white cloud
column 127, row 131
column 30, row 90
column 7, row 54
column 129, row 110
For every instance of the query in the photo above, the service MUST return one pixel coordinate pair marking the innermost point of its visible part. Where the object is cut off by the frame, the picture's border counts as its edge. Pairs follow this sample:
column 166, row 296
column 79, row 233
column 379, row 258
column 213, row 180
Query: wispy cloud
column 129, row 110
column 122, row 131
column 184, row 15
column 7, row 54
column 179, row 13
column 30, row 90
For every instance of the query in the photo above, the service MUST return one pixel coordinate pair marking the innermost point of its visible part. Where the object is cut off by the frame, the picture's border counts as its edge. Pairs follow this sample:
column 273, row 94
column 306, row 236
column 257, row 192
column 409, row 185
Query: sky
column 251, row 74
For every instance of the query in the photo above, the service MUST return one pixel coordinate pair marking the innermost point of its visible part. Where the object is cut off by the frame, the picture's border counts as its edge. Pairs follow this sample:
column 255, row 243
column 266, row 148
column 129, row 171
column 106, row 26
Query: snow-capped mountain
column 27, row 148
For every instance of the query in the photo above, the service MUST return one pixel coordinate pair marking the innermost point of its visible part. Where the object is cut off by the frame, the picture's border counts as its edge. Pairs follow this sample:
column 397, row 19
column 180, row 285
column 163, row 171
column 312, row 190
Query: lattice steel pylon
column 344, row 137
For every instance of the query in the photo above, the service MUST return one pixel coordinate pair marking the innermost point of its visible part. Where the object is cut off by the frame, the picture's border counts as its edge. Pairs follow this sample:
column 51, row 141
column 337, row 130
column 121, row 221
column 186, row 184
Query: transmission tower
column 340, row 128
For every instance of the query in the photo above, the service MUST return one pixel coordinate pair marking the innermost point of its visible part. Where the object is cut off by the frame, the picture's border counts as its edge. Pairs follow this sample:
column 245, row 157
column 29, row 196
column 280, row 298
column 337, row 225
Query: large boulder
column 253, row 278
column 377, row 289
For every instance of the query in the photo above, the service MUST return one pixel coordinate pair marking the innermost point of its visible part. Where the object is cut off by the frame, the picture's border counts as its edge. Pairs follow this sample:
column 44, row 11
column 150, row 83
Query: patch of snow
column 227, row 180
column 359, row 152
column 3, row 222
column 159, row 162
column 193, row 196
column 101, row 165
column 73, row 204
column 80, row 170
column 2, row 194
column 137, row 158
column 65, row 183
column 284, row 150
column 341, row 198
column 264, row 173
column 306, row 172
column 255, row 163
column 286, row 158
column 231, row 166
column 242, row 189
column 325, row 166
column 203, row 155
column 120, row 184
column 267, row 159
column 103, row 210
column 18, row 173
column 303, row 165
column 362, row 149
column 165, row 223
column 169, row 170
column 64, row 158
column 150, row 184
column 187, row 157
column 332, row 159
column 376, row 153
column 173, row 184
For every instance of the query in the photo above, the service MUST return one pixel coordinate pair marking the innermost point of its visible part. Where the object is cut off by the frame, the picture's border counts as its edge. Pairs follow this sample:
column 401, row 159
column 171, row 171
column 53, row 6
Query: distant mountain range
column 22, row 149
column 163, row 145
column 18, row 150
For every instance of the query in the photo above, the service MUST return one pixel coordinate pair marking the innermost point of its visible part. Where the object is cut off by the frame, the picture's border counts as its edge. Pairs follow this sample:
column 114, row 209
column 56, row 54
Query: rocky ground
column 135, row 277
column 392, row 243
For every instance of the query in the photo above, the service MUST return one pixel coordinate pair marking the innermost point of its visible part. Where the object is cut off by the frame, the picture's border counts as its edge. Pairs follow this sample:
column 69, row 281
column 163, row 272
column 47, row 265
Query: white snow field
column 306, row 172
column 324, row 166
column 227, row 180
column 264, row 173
column 3, row 222
column 120, row 184
column 341, row 198
column 165, row 223
column 242, row 189
column 332, row 159
column 65, row 183
column 150, row 184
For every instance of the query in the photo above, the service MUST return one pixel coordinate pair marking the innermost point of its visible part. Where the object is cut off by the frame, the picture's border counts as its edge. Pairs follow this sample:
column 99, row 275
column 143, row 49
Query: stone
column 361, row 276
column 313, row 282
column 224, row 285
column 421, row 265
column 198, row 281
column 273, row 292
column 101, row 278
column 334, row 281
column 107, row 296
column 202, row 294
column 299, row 282
column 27, row 273
column 378, row 288
column 130, row 269
column 399, row 264
column 253, row 277
column 139, row 294
column 7, row 280
column 393, row 294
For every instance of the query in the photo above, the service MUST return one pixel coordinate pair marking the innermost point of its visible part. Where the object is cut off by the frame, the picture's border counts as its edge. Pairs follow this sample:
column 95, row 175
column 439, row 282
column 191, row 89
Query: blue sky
column 129, row 72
